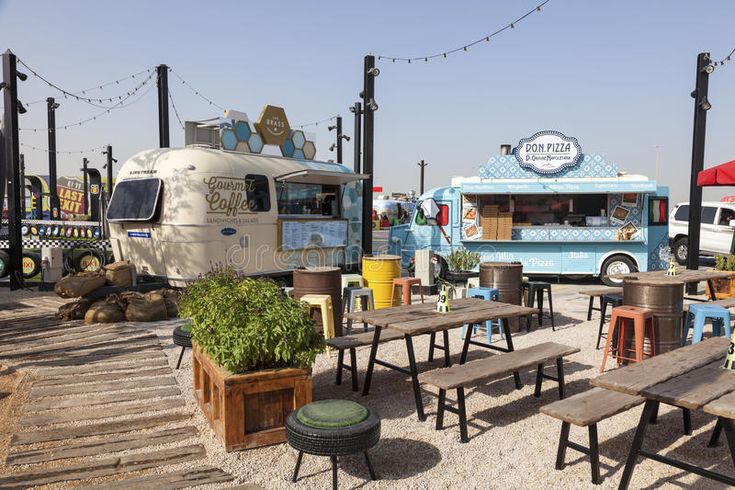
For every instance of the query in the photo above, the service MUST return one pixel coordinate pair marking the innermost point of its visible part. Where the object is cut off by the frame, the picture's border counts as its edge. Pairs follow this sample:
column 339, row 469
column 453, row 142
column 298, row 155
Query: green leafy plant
column 725, row 262
column 247, row 324
column 462, row 259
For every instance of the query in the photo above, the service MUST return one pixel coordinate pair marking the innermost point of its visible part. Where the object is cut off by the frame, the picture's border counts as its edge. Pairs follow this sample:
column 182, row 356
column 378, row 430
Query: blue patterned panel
column 507, row 167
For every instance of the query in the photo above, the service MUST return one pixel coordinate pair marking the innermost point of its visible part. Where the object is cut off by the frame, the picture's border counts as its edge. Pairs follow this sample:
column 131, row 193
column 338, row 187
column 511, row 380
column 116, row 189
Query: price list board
column 299, row 234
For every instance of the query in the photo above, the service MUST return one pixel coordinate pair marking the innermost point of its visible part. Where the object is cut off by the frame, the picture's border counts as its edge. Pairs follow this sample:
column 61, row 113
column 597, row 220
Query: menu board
column 299, row 234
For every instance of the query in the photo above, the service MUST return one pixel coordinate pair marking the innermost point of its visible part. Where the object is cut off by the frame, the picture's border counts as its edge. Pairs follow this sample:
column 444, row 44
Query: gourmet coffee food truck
column 179, row 213
column 550, row 206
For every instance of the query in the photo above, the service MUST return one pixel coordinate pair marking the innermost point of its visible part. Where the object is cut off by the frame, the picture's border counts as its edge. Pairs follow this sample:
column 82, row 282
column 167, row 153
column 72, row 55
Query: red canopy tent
column 720, row 175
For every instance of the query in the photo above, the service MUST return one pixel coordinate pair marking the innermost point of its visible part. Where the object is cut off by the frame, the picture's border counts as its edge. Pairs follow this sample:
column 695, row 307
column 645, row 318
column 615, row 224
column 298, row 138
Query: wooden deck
column 97, row 390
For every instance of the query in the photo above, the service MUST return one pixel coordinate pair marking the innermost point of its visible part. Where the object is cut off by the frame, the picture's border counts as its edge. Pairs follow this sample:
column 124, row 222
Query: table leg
column 509, row 340
column 589, row 308
column 730, row 434
column 712, row 293
column 466, row 346
column 371, row 362
column 649, row 409
column 447, row 360
column 415, row 379
column 715, row 439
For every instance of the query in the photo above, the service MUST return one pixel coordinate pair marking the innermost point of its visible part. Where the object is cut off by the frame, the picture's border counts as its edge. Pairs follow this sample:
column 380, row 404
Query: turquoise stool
column 700, row 313
column 488, row 294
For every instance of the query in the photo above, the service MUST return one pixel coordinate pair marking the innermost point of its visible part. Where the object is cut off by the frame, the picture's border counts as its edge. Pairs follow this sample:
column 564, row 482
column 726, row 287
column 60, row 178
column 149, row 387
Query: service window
column 658, row 210
column 136, row 200
column 708, row 215
column 258, row 192
column 313, row 199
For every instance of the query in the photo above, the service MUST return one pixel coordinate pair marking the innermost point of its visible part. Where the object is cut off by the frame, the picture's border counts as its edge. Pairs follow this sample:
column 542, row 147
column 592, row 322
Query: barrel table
column 321, row 280
column 665, row 298
column 378, row 272
column 507, row 278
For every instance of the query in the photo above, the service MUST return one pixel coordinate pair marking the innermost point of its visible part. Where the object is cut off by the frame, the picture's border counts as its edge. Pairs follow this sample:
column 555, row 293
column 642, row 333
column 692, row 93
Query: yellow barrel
column 378, row 272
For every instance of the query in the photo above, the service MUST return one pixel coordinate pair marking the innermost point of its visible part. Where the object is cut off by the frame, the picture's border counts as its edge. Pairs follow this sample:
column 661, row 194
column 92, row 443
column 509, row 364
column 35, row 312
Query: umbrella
column 720, row 175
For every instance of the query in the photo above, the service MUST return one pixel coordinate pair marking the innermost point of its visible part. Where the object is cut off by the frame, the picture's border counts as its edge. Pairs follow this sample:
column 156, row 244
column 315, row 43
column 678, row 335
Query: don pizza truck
column 559, row 211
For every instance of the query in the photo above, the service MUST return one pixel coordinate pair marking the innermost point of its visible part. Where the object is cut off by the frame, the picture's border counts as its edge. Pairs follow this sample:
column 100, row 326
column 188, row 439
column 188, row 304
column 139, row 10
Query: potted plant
column 253, row 349
column 725, row 287
column 461, row 263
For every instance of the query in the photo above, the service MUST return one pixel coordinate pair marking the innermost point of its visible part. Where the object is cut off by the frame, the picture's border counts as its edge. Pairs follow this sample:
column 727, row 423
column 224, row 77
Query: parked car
column 716, row 230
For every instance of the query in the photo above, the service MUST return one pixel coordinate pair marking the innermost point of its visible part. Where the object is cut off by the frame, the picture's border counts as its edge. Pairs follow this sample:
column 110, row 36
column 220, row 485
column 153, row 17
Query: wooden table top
column 689, row 377
column 683, row 275
column 422, row 317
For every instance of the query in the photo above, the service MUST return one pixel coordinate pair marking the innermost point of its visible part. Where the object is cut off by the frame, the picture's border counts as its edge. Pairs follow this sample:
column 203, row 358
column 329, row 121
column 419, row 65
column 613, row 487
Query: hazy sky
column 615, row 74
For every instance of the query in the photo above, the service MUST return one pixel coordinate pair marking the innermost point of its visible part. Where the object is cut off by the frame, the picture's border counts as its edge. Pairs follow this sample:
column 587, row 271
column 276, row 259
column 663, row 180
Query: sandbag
column 74, row 310
column 170, row 298
column 147, row 309
column 120, row 273
column 78, row 285
column 104, row 312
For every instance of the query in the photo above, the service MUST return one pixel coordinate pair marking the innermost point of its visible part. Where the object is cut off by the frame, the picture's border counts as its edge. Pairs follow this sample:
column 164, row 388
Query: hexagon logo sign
column 272, row 125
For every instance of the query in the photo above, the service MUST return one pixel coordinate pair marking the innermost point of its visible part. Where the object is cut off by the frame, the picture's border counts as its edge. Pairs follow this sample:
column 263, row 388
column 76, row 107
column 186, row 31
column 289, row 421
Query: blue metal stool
column 700, row 313
column 488, row 294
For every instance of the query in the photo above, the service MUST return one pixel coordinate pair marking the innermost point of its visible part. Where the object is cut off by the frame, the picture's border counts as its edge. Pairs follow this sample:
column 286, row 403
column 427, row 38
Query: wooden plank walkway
column 98, row 390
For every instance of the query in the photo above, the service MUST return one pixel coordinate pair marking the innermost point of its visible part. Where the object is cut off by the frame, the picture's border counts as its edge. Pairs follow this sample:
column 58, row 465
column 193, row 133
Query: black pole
column 12, row 160
column 701, row 106
column 108, row 152
column 163, row 134
column 357, row 109
column 339, row 139
column 85, row 206
column 54, row 204
column 22, row 180
column 368, row 102
column 423, row 165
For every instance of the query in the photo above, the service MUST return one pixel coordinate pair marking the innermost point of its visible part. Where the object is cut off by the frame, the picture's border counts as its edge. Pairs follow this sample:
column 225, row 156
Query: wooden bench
column 585, row 410
column 351, row 343
column 480, row 371
column 598, row 293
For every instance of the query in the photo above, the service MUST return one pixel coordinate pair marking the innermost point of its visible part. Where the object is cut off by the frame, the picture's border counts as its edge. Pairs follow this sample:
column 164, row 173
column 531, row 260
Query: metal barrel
column 665, row 298
column 321, row 280
column 378, row 272
column 507, row 277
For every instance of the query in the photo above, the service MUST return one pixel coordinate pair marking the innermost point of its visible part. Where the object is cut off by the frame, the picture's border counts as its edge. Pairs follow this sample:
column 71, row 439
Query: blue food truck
column 559, row 211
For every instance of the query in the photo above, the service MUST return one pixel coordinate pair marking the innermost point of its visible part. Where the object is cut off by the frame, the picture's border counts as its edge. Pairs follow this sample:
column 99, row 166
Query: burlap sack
column 74, row 310
column 120, row 273
column 79, row 284
column 147, row 309
column 104, row 312
column 171, row 297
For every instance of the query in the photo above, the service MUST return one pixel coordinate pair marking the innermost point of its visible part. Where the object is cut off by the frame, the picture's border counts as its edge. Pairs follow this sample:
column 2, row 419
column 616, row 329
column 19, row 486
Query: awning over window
column 315, row 176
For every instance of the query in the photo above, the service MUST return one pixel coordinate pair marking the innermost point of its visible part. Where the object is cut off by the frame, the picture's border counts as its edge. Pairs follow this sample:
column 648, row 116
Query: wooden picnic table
column 422, row 318
column 687, row 276
column 691, row 378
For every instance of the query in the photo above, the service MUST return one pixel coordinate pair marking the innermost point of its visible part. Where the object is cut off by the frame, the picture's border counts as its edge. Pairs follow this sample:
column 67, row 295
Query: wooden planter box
column 248, row 410
column 725, row 288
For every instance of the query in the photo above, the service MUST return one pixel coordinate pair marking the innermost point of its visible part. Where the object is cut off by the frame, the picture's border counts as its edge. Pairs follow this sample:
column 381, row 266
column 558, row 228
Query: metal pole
column 339, row 139
column 163, row 133
column 22, row 181
column 358, row 137
column 368, row 101
column 701, row 105
column 12, row 160
column 53, row 200
column 85, row 162
column 109, row 171
column 423, row 165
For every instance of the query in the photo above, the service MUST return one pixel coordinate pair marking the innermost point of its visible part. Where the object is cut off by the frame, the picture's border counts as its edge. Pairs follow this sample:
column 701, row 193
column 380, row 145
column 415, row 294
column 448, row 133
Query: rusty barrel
column 665, row 298
column 321, row 280
column 507, row 277
column 378, row 272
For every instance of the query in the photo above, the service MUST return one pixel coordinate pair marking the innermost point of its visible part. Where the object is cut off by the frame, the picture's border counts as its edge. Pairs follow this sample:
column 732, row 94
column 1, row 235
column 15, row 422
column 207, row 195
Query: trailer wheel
column 617, row 264
column 31, row 264
column 681, row 250
column 4, row 263
column 89, row 261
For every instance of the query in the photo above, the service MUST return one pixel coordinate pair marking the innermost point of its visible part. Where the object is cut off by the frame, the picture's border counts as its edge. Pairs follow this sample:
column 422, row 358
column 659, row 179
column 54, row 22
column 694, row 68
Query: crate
column 489, row 221
column 505, row 226
column 248, row 410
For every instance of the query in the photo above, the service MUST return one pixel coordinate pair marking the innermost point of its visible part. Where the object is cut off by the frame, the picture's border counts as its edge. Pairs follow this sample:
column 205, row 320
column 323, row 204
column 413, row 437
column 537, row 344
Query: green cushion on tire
column 186, row 328
column 327, row 414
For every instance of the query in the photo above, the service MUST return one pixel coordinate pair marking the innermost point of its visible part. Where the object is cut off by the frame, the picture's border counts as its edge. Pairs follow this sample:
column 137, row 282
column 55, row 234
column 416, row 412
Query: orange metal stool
column 406, row 283
column 642, row 325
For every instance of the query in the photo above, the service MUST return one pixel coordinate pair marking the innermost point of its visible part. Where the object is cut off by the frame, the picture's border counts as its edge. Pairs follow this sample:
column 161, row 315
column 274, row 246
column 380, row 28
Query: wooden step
column 100, row 399
column 44, row 391
column 119, row 410
column 202, row 475
column 95, row 378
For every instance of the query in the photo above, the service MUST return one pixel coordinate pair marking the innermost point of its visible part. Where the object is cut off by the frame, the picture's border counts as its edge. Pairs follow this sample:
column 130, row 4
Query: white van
column 715, row 232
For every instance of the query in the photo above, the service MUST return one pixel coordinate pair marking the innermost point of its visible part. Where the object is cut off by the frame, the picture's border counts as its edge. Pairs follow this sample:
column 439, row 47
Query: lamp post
column 701, row 106
column 369, row 108
column 357, row 110
column 54, row 204
column 108, row 166
column 340, row 137
column 85, row 164
column 163, row 133
column 423, row 165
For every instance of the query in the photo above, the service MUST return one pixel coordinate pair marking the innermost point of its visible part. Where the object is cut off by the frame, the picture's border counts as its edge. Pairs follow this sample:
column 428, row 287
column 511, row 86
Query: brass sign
column 273, row 125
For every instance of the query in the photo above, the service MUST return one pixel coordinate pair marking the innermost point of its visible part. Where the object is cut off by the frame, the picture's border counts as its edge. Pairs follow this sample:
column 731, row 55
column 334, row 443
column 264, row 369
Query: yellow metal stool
column 324, row 303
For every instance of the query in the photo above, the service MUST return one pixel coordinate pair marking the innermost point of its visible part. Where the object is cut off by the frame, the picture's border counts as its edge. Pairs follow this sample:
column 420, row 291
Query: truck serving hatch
column 318, row 176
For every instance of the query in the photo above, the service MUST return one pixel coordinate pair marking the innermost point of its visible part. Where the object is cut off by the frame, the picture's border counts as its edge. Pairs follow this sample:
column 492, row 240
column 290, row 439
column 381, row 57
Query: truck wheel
column 31, row 264
column 88, row 260
column 617, row 264
column 681, row 249
column 4, row 263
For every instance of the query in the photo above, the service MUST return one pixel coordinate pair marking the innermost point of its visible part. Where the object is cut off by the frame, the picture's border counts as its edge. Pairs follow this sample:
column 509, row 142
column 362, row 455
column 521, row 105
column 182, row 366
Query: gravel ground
column 511, row 444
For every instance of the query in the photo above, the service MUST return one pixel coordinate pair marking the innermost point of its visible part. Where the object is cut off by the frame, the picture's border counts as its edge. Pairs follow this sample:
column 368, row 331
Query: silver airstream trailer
column 178, row 213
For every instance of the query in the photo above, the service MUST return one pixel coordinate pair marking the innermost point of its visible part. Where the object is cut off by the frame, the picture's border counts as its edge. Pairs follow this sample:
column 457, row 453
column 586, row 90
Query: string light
column 725, row 59
column 195, row 91
column 464, row 48
column 94, row 101
column 175, row 111
column 66, row 152
column 317, row 123
column 119, row 105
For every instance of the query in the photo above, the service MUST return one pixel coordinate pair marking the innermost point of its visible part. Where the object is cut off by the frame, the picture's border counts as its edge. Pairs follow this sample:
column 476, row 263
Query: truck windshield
column 135, row 200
